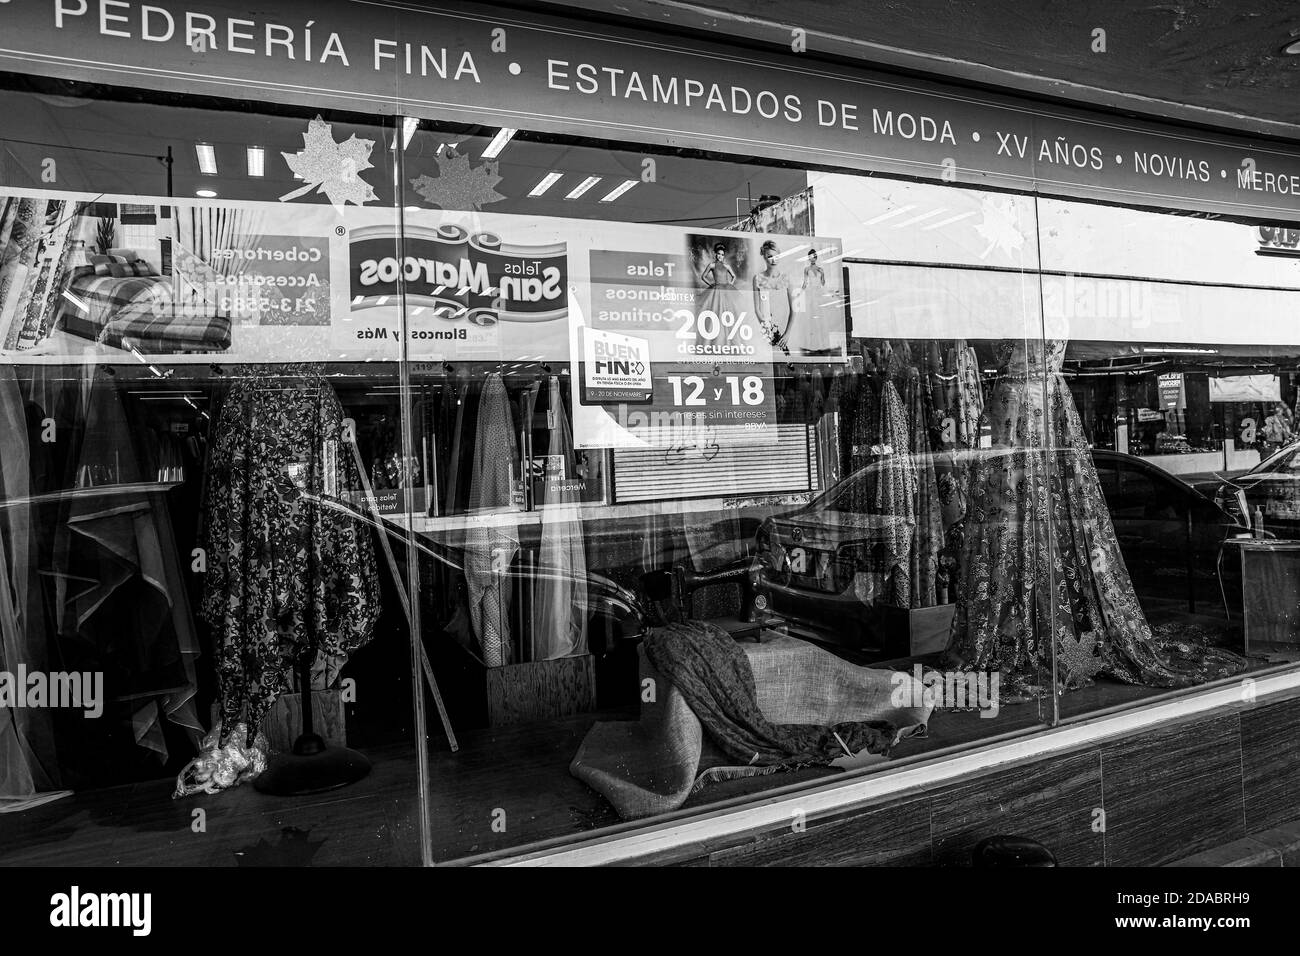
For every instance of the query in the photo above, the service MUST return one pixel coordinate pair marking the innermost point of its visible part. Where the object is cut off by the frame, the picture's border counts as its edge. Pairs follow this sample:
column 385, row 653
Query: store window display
column 654, row 499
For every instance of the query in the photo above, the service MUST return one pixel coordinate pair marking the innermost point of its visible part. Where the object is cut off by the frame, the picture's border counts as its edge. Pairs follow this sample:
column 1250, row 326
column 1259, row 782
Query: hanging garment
column 1041, row 560
column 492, row 540
column 826, row 431
column 864, row 436
column 291, row 574
column 927, row 536
column 844, row 398
column 894, row 495
column 560, row 612
column 459, row 465
column 970, row 397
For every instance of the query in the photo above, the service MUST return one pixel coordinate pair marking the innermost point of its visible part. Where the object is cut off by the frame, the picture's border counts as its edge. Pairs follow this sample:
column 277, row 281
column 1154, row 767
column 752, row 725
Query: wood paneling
column 1172, row 792
column 1049, row 801
column 1270, row 764
column 898, row 835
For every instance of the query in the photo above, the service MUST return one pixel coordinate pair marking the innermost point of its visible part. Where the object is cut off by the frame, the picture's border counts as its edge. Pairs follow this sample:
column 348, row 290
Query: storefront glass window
column 587, row 484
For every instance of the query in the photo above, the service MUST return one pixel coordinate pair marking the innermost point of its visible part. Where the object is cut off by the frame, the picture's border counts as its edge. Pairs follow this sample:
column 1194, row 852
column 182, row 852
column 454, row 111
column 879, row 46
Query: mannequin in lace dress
column 1041, row 561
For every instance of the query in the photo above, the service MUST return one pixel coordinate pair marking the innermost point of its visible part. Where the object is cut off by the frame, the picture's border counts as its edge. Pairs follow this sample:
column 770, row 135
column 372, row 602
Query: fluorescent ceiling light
column 949, row 221
column 1292, row 48
column 409, row 125
column 889, row 215
column 206, row 193
column 921, row 218
column 1177, row 351
column 619, row 190
column 582, row 187
column 256, row 161
column 498, row 143
column 207, row 157
column 545, row 183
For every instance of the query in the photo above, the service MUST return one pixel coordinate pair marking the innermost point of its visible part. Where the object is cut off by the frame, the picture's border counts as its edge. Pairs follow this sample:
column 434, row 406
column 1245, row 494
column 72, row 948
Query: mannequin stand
column 313, row 766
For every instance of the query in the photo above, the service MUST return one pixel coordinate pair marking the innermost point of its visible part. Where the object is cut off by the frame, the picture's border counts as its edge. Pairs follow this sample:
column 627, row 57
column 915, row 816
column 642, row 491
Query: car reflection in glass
column 824, row 567
column 1272, row 488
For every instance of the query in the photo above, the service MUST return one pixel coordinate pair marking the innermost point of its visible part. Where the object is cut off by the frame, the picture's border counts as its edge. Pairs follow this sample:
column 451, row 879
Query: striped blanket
column 139, row 311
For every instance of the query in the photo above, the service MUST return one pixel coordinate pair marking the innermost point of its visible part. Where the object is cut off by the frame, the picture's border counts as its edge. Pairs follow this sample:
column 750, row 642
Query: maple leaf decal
column 330, row 167
column 1000, row 226
column 458, row 185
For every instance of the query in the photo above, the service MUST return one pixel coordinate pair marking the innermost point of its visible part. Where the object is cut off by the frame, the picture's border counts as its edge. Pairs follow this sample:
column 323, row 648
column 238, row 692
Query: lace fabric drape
column 1041, row 561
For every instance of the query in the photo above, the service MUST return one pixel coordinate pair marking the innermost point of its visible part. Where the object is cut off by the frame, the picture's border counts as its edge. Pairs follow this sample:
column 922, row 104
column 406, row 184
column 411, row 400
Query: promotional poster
column 673, row 334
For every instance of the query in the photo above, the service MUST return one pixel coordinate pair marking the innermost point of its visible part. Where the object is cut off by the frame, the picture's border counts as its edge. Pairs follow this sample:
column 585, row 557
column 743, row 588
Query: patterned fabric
column 1041, row 561
column 927, row 535
column 895, row 494
column 714, row 676
column 970, row 397
column 290, row 578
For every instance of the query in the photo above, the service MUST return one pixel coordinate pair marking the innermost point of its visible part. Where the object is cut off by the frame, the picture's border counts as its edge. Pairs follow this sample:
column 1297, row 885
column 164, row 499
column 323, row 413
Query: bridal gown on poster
column 1041, row 560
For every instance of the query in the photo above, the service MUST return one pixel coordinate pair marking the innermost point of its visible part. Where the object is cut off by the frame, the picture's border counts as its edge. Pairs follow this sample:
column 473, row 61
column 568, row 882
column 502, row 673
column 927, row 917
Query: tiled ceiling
column 1210, row 61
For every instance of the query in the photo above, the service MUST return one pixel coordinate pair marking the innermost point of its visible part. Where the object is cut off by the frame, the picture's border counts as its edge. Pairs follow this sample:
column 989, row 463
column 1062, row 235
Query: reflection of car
column 1272, row 486
column 813, row 559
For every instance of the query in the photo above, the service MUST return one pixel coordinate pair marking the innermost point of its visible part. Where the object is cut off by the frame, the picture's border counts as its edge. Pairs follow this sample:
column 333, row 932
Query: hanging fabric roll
column 970, row 396
column 894, row 495
column 492, row 542
column 560, row 613
column 927, row 537
column 826, row 431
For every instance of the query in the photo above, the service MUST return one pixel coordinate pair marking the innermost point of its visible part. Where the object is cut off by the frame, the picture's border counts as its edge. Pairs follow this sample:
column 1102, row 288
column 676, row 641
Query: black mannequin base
column 312, row 767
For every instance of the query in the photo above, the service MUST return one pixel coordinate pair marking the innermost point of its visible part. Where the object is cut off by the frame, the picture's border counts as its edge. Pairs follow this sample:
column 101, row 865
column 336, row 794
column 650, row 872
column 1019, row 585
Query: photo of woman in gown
column 719, row 281
column 774, row 299
column 814, row 334
column 1041, row 562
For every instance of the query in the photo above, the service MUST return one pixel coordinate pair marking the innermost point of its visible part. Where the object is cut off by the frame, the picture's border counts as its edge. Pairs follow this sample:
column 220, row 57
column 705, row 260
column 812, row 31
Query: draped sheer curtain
column 26, row 767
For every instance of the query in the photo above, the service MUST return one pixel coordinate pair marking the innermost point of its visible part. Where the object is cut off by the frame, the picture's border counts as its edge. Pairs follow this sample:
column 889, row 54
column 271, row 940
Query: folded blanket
column 740, row 709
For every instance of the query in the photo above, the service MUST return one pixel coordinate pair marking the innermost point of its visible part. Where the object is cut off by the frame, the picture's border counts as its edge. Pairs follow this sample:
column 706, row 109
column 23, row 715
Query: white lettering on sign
column 590, row 79
column 203, row 33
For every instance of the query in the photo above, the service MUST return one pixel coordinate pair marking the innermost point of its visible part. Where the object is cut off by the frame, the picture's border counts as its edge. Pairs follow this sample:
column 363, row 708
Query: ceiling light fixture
column 947, row 222
column 545, row 183
column 884, row 216
column 207, row 157
column 256, row 161
column 921, row 218
column 619, row 190
column 498, row 143
column 582, row 187
column 206, row 193
column 1292, row 47
column 1178, row 351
